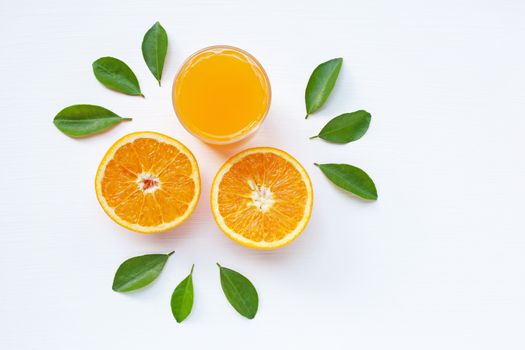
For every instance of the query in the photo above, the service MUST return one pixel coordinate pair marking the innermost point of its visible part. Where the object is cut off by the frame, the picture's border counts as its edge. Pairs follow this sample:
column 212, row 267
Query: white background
column 436, row 263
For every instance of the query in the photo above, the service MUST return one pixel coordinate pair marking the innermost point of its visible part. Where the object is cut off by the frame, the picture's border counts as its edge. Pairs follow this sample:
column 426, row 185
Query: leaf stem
column 191, row 271
column 159, row 82
column 219, row 265
column 316, row 164
column 127, row 119
column 314, row 137
column 169, row 254
column 142, row 95
column 307, row 116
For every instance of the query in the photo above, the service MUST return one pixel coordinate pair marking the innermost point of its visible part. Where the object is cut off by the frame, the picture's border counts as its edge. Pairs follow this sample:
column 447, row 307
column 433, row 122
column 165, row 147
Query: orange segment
column 148, row 182
column 262, row 198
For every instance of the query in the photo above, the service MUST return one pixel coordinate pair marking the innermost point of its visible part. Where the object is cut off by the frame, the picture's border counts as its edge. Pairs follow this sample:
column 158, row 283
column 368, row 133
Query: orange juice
column 221, row 94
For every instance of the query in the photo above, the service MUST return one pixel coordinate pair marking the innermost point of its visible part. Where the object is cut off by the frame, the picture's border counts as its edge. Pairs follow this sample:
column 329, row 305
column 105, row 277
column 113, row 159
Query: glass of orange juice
column 221, row 94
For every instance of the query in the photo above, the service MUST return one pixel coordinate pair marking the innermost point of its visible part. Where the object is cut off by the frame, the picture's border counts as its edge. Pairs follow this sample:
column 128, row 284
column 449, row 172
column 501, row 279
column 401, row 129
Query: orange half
column 148, row 182
column 262, row 198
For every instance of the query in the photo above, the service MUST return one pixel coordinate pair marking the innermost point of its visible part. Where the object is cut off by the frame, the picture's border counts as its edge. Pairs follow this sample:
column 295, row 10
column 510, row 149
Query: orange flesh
column 277, row 182
column 221, row 94
column 148, row 182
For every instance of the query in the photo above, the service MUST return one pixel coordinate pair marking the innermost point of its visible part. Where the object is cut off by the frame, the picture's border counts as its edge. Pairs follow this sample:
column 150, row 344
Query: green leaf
column 346, row 127
column 154, row 48
column 116, row 75
column 321, row 84
column 139, row 271
column 351, row 179
column 85, row 120
column 239, row 291
column 182, row 298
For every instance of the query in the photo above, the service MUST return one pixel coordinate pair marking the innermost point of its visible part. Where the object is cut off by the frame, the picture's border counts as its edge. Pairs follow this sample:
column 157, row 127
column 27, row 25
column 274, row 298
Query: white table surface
column 436, row 263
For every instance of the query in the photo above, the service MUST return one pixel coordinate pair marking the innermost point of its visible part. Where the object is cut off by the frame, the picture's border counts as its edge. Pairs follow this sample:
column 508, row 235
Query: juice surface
column 221, row 94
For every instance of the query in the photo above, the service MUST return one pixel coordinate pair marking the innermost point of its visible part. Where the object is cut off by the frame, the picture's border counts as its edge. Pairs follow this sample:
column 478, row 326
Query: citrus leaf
column 116, row 75
column 346, row 127
column 139, row 271
column 182, row 298
column 154, row 48
column 351, row 179
column 239, row 291
column 85, row 120
column 321, row 84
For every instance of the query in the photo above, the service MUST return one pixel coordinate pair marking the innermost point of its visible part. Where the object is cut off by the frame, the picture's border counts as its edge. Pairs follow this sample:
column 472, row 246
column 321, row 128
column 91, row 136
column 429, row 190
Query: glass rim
column 226, row 140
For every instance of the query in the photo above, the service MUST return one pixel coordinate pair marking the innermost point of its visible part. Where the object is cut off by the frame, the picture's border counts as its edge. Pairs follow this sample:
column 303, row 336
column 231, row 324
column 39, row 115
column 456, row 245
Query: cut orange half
column 148, row 182
column 262, row 198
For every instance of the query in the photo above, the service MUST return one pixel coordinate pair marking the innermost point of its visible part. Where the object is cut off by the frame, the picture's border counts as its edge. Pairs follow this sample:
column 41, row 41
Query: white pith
column 142, row 180
column 262, row 197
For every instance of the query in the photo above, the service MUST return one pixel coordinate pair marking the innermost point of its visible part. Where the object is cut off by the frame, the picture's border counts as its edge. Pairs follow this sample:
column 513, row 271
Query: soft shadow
column 174, row 239
column 279, row 257
column 229, row 149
